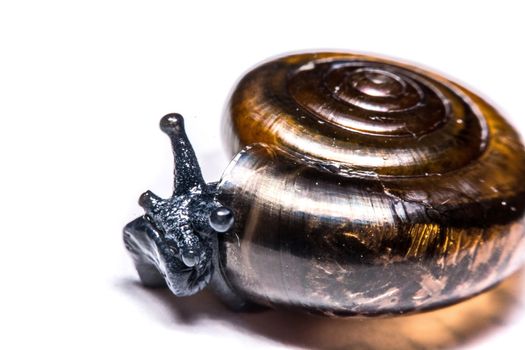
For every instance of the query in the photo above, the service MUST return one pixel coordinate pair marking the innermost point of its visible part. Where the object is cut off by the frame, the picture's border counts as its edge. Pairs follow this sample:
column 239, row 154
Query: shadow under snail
column 359, row 186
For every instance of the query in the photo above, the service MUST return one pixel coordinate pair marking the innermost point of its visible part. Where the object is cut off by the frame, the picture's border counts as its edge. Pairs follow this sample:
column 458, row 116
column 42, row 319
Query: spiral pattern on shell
column 360, row 114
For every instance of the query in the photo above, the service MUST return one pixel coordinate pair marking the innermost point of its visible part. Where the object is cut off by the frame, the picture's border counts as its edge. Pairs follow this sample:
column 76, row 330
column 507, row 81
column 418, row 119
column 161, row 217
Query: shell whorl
column 359, row 113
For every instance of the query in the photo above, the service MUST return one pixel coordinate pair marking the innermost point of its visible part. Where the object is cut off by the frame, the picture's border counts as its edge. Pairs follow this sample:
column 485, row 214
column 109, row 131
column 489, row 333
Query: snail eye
column 221, row 219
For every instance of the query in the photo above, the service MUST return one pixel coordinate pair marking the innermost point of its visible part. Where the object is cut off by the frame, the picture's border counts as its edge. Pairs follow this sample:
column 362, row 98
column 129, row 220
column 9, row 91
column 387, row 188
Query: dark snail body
column 362, row 186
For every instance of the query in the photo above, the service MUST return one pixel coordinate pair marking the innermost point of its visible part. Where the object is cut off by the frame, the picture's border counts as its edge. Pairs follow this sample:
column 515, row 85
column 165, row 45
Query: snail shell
column 366, row 186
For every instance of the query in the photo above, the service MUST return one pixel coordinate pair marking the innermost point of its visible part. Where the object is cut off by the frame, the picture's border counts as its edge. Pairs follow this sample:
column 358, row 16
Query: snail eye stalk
column 187, row 171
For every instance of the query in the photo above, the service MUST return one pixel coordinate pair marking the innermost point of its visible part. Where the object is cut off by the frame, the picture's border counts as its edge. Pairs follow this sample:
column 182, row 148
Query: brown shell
column 366, row 186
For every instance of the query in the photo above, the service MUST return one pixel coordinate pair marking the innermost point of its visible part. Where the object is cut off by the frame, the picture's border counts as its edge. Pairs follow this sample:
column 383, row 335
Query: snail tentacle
column 187, row 171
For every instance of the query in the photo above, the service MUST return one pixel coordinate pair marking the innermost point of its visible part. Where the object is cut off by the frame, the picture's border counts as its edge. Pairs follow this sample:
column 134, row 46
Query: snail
column 359, row 185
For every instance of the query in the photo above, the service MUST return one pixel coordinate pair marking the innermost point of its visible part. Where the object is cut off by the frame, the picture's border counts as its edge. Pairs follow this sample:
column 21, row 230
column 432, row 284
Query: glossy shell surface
column 365, row 186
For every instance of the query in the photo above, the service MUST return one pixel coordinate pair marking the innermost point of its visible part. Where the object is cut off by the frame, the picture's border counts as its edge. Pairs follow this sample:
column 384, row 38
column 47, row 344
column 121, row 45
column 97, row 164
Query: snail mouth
column 181, row 279
column 188, row 280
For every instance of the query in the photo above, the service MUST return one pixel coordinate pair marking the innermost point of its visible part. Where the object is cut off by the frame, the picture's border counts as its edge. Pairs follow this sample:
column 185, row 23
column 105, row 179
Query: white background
column 82, row 87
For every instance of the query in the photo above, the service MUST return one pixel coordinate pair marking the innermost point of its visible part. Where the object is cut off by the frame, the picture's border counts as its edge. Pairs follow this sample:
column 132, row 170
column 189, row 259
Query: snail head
column 189, row 221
